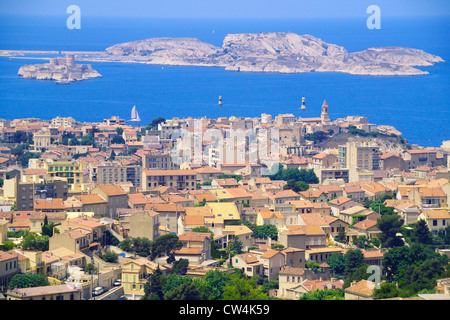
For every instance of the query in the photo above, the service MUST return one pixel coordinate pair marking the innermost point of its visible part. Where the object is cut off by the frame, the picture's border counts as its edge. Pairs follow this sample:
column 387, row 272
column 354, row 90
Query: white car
column 118, row 283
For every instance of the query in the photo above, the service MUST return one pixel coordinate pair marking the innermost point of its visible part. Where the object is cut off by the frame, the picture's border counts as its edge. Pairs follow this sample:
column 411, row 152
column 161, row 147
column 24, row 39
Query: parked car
column 118, row 283
column 98, row 291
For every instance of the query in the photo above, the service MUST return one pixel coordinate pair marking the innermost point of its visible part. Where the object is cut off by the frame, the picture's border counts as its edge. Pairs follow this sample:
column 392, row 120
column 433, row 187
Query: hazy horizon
column 247, row 9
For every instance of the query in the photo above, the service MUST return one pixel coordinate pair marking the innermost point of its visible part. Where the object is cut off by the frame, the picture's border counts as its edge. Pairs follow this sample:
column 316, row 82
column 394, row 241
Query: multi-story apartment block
column 179, row 179
column 66, row 168
column 359, row 156
column 113, row 172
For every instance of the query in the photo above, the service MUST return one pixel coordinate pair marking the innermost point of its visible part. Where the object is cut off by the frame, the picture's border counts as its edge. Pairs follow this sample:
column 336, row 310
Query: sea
column 417, row 106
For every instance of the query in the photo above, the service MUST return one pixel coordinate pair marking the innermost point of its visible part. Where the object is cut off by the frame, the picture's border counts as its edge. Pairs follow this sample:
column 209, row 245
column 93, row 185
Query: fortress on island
column 60, row 69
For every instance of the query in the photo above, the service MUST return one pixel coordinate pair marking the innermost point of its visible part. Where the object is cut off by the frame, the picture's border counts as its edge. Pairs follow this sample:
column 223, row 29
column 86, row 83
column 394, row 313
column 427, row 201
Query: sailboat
column 135, row 115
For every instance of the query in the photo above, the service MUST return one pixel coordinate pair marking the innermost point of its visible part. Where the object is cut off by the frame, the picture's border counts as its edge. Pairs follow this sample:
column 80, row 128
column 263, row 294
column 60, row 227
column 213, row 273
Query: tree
column 110, row 257
column 354, row 259
column 90, row 268
column 265, row 231
column 27, row 280
column 153, row 286
column 34, row 242
column 362, row 242
column 423, row 276
column 7, row 245
column 117, row 140
column 165, row 244
column 336, row 263
column 242, row 288
column 154, row 123
column 47, row 229
column 119, row 131
column 215, row 282
column 180, row 266
column 341, row 237
column 74, row 142
column 112, row 156
column 420, row 233
column 325, row 294
column 387, row 290
column 234, row 247
column 187, row 291
column 397, row 260
column 390, row 225
column 296, row 186
column 88, row 140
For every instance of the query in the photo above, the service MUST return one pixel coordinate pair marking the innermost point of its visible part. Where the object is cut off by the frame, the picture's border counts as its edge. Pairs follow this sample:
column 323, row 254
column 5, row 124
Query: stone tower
column 324, row 115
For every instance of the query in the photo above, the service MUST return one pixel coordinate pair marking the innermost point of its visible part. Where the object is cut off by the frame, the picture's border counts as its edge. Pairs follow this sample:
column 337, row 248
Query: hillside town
column 116, row 210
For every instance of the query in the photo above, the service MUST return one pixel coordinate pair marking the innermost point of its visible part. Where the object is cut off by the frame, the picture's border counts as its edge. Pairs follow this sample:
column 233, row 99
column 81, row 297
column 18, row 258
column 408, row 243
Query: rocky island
column 61, row 69
column 271, row 52
column 281, row 52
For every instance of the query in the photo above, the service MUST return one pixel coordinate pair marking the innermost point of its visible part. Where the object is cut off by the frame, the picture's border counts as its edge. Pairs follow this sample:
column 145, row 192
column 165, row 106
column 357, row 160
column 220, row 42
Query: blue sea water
column 416, row 105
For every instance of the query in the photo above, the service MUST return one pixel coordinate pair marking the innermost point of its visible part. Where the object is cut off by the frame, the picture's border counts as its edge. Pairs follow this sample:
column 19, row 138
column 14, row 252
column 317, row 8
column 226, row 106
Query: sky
column 227, row 8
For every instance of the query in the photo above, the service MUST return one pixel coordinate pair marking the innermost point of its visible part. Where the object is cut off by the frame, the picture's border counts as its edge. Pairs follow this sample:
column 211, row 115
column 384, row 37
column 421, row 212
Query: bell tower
column 324, row 115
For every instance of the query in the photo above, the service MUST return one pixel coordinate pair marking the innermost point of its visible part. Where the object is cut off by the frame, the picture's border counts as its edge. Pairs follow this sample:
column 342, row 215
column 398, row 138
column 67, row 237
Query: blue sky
column 227, row 8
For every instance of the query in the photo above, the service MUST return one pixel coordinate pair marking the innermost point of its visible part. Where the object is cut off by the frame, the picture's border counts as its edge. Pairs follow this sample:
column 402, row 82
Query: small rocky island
column 60, row 69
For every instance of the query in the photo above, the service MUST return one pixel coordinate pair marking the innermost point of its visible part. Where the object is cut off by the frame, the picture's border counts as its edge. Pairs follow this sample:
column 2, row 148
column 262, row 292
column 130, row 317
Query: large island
column 250, row 52
column 271, row 52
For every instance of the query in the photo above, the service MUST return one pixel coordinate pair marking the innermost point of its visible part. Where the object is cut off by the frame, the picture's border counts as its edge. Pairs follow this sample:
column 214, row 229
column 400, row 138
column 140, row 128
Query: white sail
column 134, row 114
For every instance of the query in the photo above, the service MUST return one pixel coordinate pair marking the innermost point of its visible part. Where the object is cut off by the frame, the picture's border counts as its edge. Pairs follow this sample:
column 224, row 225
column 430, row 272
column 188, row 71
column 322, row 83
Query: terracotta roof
column 49, row 204
column 90, row 198
column 137, row 198
column 46, row 290
column 269, row 254
column 437, row 214
column 165, row 207
column 111, row 189
column 361, row 288
column 194, row 236
column 301, row 204
column 365, row 224
column 312, row 219
column 248, row 258
column 285, row 194
column 340, row 200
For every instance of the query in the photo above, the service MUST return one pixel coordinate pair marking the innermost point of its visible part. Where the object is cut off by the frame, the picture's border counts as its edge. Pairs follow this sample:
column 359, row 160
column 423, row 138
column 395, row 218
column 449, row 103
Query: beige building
column 196, row 247
column 437, row 219
column 135, row 274
column 144, row 224
column 114, row 195
column 179, row 179
column 9, row 266
column 56, row 292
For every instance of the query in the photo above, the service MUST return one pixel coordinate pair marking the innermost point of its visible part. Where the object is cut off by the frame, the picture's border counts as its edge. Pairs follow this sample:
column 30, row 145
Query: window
column 434, row 222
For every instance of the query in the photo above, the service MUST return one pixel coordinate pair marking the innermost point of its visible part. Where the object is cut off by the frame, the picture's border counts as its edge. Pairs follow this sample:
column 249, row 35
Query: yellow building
column 135, row 274
column 66, row 168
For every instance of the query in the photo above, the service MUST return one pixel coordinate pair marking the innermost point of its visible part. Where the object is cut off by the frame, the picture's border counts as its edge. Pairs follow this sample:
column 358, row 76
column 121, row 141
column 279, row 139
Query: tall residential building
column 360, row 156
column 113, row 172
column 68, row 122
column 66, row 168
column 179, row 179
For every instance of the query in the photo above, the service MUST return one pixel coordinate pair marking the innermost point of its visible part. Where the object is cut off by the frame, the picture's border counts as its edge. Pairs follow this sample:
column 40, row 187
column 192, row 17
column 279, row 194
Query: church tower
column 324, row 115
